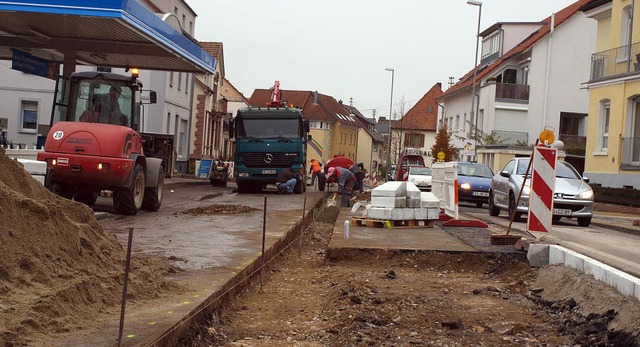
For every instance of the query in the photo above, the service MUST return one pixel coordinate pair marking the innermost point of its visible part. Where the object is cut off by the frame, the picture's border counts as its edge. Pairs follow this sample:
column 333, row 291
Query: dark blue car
column 474, row 181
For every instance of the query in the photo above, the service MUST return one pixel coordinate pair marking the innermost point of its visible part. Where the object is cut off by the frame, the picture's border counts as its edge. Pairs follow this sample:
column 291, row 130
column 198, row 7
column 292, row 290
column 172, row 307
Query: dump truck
column 268, row 140
column 95, row 143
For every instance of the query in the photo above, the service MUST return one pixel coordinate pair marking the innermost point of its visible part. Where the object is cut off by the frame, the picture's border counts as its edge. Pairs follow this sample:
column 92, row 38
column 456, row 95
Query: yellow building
column 613, row 141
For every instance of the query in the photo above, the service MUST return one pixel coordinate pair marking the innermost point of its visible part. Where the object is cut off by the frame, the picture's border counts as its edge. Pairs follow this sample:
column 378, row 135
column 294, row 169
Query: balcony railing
column 511, row 92
column 615, row 62
column 220, row 106
column 631, row 151
column 574, row 144
column 509, row 138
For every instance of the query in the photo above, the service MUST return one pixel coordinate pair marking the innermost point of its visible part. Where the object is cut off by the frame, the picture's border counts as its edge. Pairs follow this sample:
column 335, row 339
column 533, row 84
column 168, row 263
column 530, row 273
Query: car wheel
column 493, row 209
column 584, row 221
column 512, row 208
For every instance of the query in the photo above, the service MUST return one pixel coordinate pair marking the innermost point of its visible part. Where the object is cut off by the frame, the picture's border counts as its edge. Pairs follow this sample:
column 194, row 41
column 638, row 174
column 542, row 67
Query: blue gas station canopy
column 115, row 33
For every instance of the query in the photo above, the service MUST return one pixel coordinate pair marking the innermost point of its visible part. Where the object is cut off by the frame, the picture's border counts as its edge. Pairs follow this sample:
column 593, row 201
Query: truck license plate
column 268, row 172
column 562, row 211
column 480, row 193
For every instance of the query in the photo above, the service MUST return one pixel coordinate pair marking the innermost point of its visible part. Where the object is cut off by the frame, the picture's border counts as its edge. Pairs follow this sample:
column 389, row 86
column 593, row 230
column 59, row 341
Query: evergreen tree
column 443, row 144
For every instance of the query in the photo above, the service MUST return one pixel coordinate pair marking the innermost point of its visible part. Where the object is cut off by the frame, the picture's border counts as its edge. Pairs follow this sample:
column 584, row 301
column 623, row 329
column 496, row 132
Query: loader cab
column 99, row 97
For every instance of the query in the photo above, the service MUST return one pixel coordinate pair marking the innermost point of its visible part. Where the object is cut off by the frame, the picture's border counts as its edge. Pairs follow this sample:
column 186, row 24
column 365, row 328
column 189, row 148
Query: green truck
column 268, row 140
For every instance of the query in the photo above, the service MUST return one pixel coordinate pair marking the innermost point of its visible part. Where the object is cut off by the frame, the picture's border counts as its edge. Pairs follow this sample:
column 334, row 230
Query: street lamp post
column 390, row 109
column 474, row 115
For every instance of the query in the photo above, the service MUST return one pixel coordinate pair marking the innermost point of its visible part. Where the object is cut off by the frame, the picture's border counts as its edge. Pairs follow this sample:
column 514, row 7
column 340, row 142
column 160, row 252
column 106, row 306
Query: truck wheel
column 129, row 200
column 243, row 187
column 298, row 187
column 87, row 198
column 153, row 195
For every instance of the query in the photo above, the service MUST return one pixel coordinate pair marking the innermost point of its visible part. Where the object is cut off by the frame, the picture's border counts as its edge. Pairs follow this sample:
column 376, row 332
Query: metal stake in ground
column 124, row 289
column 264, row 233
column 302, row 224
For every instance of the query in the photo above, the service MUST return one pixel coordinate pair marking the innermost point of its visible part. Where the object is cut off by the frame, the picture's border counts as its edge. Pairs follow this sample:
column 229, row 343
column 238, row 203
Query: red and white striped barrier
column 543, row 182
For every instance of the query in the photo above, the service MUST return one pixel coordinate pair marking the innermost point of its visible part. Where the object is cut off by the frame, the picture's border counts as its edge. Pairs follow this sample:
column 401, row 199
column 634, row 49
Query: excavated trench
column 387, row 297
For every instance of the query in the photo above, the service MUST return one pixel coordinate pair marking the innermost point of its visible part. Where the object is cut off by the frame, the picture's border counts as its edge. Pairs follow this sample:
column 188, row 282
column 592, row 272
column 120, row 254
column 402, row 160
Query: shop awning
column 116, row 33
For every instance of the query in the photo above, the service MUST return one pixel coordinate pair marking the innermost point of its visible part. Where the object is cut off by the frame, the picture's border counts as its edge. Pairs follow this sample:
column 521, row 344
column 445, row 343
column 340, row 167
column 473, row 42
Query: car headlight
column 586, row 195
column 465, row 186
column 526, row 190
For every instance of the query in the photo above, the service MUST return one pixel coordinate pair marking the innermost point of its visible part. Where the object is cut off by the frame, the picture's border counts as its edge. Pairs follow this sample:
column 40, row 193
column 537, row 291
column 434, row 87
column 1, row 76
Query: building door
column 634, row 137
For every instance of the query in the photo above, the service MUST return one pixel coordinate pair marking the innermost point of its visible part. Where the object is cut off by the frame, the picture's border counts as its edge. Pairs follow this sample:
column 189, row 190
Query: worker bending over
column 346, row 180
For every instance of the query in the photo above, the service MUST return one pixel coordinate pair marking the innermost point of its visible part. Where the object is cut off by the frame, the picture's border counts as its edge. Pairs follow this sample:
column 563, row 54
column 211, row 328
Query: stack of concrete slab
column 399, row 200
column 37, row 169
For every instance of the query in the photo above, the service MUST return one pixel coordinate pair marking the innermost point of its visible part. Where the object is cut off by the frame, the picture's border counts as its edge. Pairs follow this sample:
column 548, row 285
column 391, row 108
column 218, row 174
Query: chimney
column 315, row 97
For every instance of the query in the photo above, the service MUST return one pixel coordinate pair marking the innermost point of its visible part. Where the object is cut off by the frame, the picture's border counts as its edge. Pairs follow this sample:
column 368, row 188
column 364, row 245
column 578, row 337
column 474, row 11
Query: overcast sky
column 341, row 48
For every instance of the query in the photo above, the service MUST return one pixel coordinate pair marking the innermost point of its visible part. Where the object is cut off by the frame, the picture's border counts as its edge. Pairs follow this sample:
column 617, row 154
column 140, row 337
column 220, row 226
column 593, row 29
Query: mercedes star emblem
column 268, row 158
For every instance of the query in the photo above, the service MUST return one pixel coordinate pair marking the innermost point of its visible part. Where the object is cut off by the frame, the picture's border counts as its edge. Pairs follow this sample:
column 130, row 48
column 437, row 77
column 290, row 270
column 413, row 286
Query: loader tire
column 153, row 195
column 129, row 200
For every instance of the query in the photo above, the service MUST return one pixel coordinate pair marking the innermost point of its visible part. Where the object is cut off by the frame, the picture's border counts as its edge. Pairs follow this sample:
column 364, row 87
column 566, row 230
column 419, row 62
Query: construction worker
column 358, row 171
column 285, row 181
column 346, row 180
column 316, row 168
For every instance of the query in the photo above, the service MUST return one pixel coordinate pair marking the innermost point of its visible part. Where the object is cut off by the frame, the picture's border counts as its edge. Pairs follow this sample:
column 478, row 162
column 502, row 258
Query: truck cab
column 268, row 140
column 409, row 157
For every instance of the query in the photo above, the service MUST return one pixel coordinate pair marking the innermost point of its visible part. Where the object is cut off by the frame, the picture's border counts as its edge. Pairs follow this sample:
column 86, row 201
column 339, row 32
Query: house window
column 375, row 147
column 168, row 122
column 29, row 115
column 171, row 79
column 182, row 139
column 429, row 109
column 186, row 83
column 179, row 80
column 625, row 33
column 315, row 125
column 603, row 127
column 414, row 140
column 457, row 122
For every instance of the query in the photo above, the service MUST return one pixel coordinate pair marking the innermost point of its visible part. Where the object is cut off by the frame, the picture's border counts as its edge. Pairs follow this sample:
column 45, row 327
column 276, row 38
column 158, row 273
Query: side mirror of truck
column 153, row 97
column 306, row 125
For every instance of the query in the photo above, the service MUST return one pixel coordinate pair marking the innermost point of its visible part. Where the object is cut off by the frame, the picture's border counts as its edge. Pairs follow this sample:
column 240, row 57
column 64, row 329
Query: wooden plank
column 400, row 224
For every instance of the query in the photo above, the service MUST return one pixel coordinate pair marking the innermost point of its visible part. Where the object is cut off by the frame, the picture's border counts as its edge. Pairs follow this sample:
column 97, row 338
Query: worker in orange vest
column 316, row 168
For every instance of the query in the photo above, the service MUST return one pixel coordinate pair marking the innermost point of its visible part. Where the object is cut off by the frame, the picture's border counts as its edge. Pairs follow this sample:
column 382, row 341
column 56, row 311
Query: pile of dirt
column 58, row 268
column 219, row 209
column 402, row 298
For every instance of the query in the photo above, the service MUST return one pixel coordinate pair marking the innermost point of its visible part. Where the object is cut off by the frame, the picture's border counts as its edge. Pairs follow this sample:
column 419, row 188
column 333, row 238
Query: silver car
column 573, row 197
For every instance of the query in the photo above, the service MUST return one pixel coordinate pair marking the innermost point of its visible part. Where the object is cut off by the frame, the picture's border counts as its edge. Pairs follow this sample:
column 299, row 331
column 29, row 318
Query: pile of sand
column 58, row 269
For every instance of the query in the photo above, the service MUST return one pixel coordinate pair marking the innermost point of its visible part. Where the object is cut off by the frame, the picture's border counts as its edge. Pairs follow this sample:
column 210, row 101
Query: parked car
column 573, row 197
column 421, row 177
column 474, row 180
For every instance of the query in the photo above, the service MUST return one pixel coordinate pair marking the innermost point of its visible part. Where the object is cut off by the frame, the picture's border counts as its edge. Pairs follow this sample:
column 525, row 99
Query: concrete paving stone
column 428, row 199
column 574, row 260
column 556, row 255
column 388, row 201
column 624, row 283
column 34, row 167
column 424, row 213
column 412, row 190
column 414, row 202
column 538, row 255
column 379, row 213
column 596, row 269
column 393, row 188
